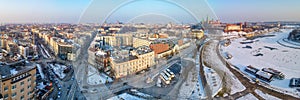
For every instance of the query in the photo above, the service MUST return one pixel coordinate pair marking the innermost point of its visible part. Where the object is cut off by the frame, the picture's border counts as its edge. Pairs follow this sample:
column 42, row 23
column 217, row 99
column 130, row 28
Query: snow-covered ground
column 59, row 70
column 96, row 78
column 199, row 89
column 248, row 97
column 141, row 94
column 211, row 58
column 41, row 85
column 266, row 96
column 187, row 88
column 40, row 71
column 213, row 79
column 281, row 58
column 125, row 96
column 194, row 89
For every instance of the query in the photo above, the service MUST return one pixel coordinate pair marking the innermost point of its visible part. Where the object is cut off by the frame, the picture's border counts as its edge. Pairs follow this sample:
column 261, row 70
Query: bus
column 171, row 73
column 164, row 78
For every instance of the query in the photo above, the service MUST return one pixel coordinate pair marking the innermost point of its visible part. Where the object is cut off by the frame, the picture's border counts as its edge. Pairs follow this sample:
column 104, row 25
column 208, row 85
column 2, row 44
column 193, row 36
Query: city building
column 102, row 60
column 198, row 34
column 92, row 56
column 13, row 48
column 125, row 62
column 166, row 47
column 61, row 45
column 64, row 49
column 125, row 39
column 117, row 39
column 3, row 40
column 28, row 52
column 233, row 27
column 137, row 42
column 18, row 82
column 159, row 47
column 160, row 35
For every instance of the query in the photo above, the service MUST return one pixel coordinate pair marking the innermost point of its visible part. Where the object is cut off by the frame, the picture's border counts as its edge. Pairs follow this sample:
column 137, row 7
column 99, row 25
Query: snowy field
column 274, row 55
column 199, row 89
column 213, row 79
column 266, row 96
column 248, row 97
column 211, row 58
column 125, row 96
column 96, row 78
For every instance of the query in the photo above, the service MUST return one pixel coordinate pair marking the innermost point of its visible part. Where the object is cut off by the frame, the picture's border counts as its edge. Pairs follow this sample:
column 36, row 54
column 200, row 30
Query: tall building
column 24, row 51
column 18, row 82
column 3, row 41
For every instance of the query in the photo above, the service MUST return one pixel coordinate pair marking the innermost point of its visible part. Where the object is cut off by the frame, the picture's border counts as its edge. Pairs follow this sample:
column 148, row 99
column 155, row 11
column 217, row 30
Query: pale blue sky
column 186, row 11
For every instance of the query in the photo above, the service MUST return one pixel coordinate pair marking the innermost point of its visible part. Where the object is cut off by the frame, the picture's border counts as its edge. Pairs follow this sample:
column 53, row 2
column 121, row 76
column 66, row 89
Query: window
column 29, row 80
column 29, row 86
column 14, row 94
column 22, row 97
column 22, row 90
column 5, row 88
column 22, row 83
column 6, row 96
column 14, row 87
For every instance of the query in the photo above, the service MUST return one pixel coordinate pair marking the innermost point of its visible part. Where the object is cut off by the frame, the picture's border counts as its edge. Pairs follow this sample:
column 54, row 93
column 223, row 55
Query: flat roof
column 10, row 71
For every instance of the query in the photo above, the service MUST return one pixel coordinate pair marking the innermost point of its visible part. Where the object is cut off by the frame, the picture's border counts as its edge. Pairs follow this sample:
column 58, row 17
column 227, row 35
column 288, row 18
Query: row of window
column 14, row 87
column 133, row 63
column 20, row 76
column 14, row 94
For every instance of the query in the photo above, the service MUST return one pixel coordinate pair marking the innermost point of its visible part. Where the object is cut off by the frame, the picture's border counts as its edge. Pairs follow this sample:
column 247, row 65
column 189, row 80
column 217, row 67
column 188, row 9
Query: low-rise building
column 264, row 76
column 233, row 27
column 159, row 47
column 276, row 73
column 250, row 69
column 295, row 82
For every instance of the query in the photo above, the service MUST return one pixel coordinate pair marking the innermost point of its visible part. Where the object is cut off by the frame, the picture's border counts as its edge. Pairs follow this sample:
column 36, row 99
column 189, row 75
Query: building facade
column 159, row 47
column 20, row 85
column 143, row 61
column 137, row 42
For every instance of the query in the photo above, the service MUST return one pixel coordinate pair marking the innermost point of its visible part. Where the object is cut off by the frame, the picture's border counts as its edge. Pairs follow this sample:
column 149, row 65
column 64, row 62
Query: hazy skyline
column 187, row 11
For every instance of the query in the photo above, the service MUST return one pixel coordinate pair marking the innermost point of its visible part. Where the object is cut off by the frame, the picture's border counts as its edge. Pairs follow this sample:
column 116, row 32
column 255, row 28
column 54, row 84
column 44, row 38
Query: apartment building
column 18, row 82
